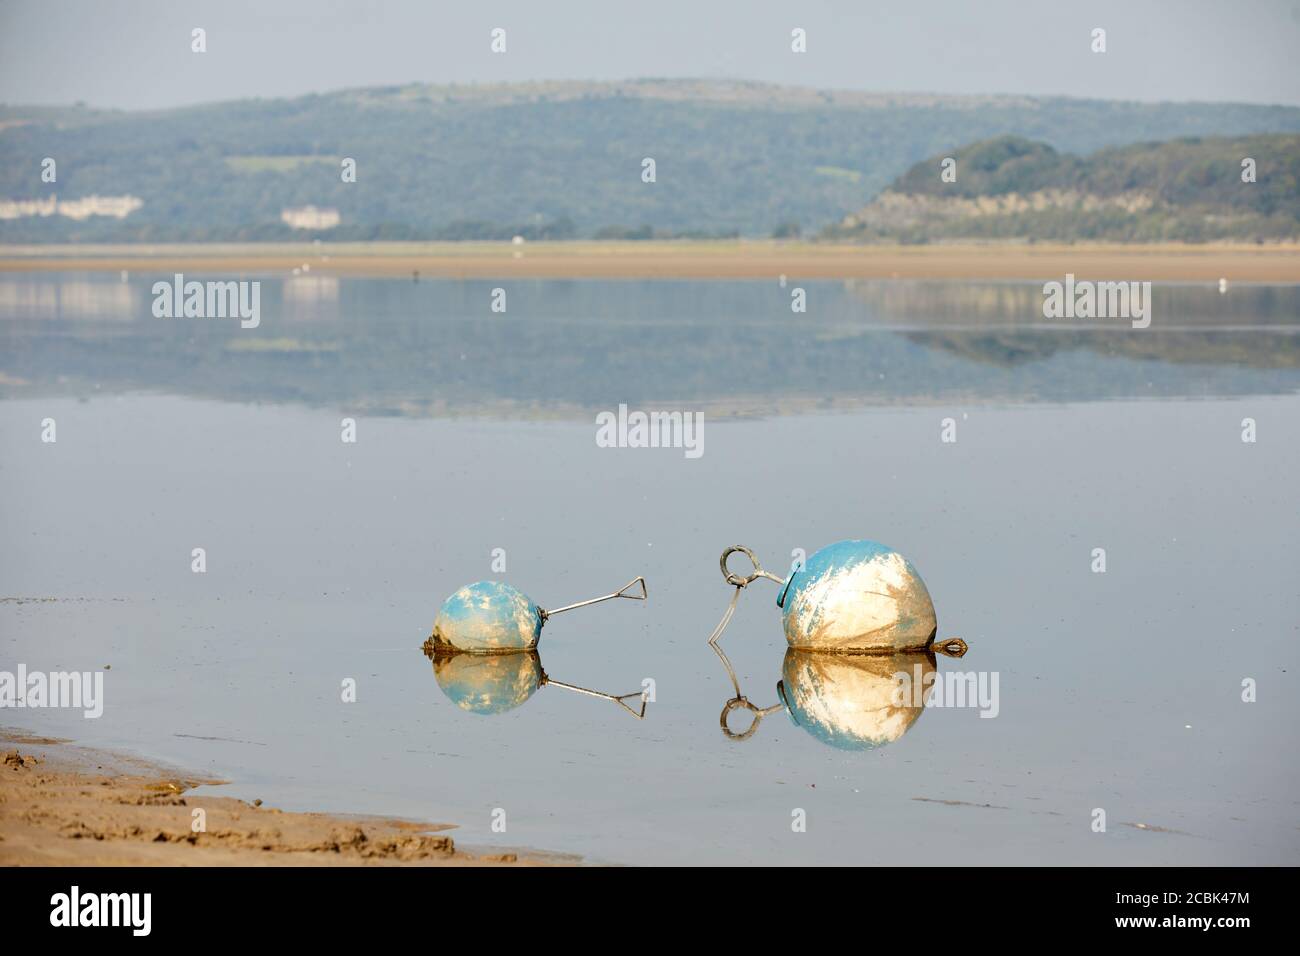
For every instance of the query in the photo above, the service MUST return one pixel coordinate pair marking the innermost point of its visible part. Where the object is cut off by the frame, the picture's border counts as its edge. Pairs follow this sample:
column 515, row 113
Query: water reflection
column 846, row 701
column 390, row 347
column 497, row 683
column 94, row 300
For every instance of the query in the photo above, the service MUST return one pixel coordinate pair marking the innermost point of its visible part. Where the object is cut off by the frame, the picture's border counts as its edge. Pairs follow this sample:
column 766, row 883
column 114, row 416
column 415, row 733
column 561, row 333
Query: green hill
column 1012, row 188
column 554, row 159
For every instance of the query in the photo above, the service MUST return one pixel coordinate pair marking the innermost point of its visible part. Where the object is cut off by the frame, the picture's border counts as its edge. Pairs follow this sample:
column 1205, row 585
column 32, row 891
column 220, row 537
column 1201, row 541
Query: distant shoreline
column 703, row 260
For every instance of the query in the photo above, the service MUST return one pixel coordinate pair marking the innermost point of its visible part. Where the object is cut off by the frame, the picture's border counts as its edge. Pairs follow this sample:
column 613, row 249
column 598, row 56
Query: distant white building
column 117, row 207
column 310, row 217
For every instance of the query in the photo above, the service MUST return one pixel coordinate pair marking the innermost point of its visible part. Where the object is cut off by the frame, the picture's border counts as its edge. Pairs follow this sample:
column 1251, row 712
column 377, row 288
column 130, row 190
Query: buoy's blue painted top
column 488, row 617
column 857, row 595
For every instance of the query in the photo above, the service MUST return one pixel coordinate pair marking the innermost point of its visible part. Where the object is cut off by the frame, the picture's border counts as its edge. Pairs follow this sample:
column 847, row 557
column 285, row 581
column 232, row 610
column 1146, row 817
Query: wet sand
column 62, row 805
column 1170, row 262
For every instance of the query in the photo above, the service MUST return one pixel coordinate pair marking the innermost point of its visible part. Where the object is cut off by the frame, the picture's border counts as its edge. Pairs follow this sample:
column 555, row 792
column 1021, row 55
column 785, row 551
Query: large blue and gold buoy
column 856, row 615
column 856, row 595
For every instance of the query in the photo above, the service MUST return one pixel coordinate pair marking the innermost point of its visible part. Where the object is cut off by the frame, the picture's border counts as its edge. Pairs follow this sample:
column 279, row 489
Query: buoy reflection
column 497, row 683
column 847, row 701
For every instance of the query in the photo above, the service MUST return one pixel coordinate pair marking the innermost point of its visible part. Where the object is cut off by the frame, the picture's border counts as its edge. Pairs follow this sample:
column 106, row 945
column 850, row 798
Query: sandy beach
column 1171, row 262
column 64, row 805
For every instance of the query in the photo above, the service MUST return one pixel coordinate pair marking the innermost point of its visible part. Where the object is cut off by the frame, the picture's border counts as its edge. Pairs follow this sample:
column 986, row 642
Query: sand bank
column 64, row 805
column 1276, row 263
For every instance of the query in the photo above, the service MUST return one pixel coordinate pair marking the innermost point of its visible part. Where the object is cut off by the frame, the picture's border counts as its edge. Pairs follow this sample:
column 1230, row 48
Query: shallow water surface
column 328, row 561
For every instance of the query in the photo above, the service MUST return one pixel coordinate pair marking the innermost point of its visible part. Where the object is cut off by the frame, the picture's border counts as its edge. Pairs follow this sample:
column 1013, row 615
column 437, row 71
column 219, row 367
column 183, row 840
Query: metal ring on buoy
column 735, row 579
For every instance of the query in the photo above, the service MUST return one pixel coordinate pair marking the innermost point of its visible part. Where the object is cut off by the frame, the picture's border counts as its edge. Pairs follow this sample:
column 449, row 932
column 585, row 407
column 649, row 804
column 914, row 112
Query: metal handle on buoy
column 953, row 647
column 736, row 579
column 620, row 593
column 739, row 584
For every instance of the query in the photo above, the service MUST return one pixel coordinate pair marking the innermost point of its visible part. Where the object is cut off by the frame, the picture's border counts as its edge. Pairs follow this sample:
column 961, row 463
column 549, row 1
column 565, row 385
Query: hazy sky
column 136, row 53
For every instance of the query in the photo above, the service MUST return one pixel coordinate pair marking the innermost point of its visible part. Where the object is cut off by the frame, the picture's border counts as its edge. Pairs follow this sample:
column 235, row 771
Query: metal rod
column 726, row 619
column 608, row 597
column 740, row 701
column 595, row 693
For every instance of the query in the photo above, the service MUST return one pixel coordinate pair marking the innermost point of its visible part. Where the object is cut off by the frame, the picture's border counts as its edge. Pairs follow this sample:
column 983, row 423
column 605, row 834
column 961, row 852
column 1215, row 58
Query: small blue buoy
column 491, row 617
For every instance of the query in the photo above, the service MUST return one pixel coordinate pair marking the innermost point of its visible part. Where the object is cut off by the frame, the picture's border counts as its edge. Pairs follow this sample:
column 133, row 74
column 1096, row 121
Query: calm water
column 328, row 560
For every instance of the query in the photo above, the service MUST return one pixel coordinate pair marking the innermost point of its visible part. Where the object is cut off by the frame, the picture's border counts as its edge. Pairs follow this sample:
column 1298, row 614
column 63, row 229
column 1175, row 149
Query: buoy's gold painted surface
column 857, row 596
